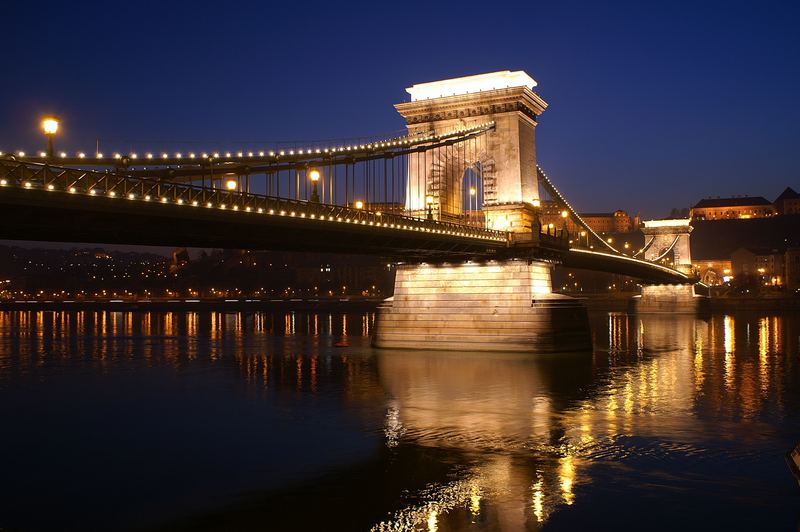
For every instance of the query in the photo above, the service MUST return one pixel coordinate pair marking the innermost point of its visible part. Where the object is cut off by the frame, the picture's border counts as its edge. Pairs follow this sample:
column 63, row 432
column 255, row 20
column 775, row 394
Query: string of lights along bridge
column 436, row 182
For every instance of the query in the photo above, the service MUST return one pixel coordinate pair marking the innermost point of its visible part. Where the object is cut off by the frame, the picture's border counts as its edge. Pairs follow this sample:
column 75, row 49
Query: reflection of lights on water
column 728, row 338
column 566, row 473
column 699, row 376
column 763, row 354
column 440, row 500
column 730, row 345
column 475, row 500
column 432, row 522
column 538, row 497
column 393, row 428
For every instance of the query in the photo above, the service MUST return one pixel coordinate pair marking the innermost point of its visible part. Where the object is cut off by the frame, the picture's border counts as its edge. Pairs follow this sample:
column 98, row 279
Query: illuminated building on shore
column 735, row 207
column 767, row 264
column 618, row 221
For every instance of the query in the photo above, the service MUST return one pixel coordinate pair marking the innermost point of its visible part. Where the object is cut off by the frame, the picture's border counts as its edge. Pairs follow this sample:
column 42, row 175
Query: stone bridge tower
column 507, row 154
column 662, row 237
column 494, row 305
column 670, row 238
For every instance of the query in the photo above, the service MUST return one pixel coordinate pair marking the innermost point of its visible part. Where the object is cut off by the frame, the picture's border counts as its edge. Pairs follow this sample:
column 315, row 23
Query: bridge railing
column 113, row 185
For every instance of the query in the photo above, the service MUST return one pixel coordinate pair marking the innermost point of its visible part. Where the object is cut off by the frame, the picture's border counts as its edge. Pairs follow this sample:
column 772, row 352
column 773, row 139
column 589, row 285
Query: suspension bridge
column 455, row 199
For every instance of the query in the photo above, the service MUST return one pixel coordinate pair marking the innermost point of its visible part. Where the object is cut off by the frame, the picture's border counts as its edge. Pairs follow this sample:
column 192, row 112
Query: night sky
column 650, row 107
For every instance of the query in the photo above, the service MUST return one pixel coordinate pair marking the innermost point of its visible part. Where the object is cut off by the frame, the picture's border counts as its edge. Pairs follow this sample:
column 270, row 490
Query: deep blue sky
column 651, row 106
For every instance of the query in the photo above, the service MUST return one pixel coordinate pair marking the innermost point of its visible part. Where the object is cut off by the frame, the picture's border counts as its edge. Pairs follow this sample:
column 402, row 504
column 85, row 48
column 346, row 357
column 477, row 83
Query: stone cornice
column 672, row 231
column 497, row 101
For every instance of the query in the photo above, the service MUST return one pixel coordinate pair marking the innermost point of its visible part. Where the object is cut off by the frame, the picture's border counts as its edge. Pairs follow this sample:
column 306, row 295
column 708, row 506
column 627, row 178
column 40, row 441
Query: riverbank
column 594, row 302
column 354, row 304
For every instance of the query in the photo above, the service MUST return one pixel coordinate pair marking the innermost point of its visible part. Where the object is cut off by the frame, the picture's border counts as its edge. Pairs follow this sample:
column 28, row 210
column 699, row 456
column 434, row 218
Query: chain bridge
column 454, row 199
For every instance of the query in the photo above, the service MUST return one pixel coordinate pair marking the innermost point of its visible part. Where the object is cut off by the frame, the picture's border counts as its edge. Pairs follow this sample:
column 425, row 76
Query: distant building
column 601, row 222
column 713, row 272
column 792, row 262
column 769, row 265
column 609, row 222
column 788, row 202
column 731, row 208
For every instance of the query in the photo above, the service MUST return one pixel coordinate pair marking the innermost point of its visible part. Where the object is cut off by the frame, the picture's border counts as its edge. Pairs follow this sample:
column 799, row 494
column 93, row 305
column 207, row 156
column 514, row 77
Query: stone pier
column 671, row 298
column 490, row 306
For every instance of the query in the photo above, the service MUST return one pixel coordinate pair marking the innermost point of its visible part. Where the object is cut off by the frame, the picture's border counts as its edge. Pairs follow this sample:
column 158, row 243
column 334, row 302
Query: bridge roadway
column 40, row 202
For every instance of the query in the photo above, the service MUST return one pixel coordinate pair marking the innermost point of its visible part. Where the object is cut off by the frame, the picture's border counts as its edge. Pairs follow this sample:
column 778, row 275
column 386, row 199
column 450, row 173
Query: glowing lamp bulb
column 313, row 175
column 231, row 184
column 50, row 126
column 359, row 204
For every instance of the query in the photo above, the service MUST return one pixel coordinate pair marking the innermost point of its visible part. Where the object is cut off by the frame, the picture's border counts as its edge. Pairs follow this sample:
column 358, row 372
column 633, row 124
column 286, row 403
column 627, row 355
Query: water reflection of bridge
column 533, row 427
column 524, row 431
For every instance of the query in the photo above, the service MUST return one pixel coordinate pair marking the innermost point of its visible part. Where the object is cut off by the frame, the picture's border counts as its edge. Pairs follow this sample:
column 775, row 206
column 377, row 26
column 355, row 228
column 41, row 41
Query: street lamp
column 231, row 184
column 50, row 128
column 472, row 198
column 429, row 203
column 313, row 174
column 359, row 205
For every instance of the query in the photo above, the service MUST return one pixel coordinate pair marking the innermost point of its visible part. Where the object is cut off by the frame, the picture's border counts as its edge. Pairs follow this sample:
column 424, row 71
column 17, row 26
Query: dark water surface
column 251, row 421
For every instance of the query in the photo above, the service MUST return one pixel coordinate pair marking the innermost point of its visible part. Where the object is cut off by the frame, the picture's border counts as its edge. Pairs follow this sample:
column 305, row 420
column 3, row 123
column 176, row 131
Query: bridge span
column 455, row 201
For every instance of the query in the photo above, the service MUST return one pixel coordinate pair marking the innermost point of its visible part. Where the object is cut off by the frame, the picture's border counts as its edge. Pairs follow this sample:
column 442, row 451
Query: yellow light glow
column 50, row 125
column 537, row 203
column 564, row 214
column 231, row 184
column 429, row 200
column 314, row 175
column 359, row 204
column 472, row 191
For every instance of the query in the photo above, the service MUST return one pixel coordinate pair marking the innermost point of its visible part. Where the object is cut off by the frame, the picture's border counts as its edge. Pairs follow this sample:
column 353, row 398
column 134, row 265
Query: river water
column 256, row 421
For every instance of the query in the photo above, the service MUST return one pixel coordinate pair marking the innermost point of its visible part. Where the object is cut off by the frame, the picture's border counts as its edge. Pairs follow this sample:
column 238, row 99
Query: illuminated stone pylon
column 506, row 155
column 495, row 305
column 669, row 238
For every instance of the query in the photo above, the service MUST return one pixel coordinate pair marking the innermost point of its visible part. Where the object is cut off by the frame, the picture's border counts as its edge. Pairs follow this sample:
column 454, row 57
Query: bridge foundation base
column 489, row 306
column 671, row 298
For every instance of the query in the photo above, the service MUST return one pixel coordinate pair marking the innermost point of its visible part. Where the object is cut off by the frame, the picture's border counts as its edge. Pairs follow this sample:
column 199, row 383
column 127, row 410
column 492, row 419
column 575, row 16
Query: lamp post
column 472, row 197
column 429, row 204
column 50, row 128
column 313, row 174
column 564, row 230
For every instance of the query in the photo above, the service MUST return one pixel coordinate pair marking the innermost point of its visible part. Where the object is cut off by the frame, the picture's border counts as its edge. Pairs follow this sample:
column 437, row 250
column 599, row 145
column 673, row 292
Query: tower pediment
column 482, row 94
